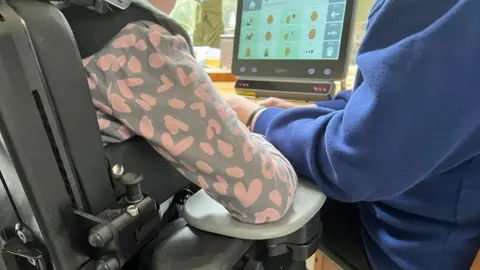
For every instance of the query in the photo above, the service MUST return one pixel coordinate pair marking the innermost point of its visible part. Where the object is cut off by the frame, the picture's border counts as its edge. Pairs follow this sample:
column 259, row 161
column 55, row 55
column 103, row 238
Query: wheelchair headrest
column 92, row 29
column 99, row 6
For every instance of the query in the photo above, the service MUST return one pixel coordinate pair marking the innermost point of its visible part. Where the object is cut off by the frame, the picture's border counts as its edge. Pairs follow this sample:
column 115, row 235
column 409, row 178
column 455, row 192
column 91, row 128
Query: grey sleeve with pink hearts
column 147, row 83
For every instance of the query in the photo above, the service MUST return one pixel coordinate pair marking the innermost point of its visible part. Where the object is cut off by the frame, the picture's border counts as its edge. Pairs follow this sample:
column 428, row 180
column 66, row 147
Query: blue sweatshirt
column 406, row 145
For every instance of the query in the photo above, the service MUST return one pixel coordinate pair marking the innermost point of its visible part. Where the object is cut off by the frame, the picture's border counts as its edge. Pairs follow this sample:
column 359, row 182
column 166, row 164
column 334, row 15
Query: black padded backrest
column 68, row 109
column 93, row 30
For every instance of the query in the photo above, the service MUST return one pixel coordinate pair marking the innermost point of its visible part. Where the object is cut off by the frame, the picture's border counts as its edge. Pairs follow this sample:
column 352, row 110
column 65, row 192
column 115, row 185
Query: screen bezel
column 298, row 69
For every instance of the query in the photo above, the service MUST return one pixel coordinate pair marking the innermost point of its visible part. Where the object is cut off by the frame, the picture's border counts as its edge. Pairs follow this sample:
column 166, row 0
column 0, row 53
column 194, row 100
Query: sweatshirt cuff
column 264, row 120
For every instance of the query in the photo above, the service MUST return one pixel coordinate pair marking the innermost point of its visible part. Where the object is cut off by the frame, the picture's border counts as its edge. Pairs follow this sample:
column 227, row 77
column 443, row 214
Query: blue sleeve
column 338, row 103
column 416, row 113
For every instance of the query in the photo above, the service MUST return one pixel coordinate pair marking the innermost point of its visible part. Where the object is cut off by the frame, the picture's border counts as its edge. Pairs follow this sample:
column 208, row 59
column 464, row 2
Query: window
column 229, row 15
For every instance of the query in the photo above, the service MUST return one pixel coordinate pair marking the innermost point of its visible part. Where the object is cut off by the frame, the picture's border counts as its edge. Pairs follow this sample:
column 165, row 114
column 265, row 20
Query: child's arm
column 164, row 95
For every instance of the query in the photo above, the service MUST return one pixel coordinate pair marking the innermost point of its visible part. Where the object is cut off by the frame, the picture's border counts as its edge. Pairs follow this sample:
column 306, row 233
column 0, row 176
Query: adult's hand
column 242, row 106
column 280, row 103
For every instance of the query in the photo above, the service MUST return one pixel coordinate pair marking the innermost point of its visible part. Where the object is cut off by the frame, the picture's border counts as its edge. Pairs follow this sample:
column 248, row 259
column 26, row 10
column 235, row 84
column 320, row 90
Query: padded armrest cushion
column 202, row 212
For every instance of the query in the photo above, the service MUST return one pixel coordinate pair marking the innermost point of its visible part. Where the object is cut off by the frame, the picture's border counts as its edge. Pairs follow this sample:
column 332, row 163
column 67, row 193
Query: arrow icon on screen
column 334, row 14
column 332, row 33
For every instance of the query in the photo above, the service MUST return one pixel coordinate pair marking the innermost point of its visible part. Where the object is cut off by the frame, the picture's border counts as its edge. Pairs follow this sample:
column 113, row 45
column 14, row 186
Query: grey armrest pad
column 202, row 212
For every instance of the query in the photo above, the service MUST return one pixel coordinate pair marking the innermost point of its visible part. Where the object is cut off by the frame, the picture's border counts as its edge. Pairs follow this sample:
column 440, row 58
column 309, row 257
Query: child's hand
column 280, row 103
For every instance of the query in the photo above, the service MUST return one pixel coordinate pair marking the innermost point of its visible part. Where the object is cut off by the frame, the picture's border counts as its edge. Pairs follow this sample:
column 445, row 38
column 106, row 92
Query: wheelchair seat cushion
column 203, row 213
column 146, row 82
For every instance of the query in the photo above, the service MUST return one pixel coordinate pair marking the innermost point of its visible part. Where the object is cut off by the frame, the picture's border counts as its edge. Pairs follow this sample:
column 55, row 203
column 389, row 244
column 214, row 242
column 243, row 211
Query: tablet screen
column 291, row 29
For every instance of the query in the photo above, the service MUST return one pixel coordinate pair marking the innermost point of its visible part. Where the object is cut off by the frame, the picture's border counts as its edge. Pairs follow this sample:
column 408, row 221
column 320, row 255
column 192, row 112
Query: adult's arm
column 415, row 114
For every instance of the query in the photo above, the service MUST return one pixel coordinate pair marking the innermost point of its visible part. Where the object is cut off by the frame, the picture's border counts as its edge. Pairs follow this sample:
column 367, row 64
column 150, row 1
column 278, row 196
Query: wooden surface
column 226, row 89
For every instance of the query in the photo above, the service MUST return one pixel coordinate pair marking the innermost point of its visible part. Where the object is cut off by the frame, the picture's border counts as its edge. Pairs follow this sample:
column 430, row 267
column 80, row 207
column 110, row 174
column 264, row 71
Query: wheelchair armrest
column 203, row 213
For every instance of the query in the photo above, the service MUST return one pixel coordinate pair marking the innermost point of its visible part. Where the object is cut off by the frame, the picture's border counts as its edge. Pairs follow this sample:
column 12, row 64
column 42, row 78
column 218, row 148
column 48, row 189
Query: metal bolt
column 22, row 236
column 23, row 233
column 118, row 171
column 132, row 210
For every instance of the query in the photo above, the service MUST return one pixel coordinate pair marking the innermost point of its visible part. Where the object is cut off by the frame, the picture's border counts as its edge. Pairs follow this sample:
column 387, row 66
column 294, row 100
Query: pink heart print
column 204, row 167
column 174, row 125
column 146, row 101
column 92, row 81
column 248, row 196
column 176, row 104
column 178, row 148
column 203, row 92
column 235, row 172
column 202, row 183
column 118, row 63
column 106, row 61
column 213, row 128
column 102, row 107
column 249, row 149
column 268, row 167
column 134, row 65
column 124, row 86
column 225, row 148
column 200, row 107
column 118, row 104
column 207, row 148
column 129, row 26
column 124, row 132
column 154, row 38
column 275, row 197
column 156, row 60
column 125, row 42
column 146, row 127
column 184, row 79
column 141, row 45
column 167, row 84
column 221, row 186
column 103, row 123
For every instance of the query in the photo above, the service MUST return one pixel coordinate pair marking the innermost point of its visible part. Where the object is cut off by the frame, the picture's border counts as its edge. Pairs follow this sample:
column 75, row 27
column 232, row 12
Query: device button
column 242, row 69
column 327, row 71
column 254, row 69
column 311, row 71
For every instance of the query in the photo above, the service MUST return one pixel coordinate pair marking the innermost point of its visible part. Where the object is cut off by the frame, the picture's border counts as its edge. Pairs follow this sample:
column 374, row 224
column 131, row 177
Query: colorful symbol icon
column 270, row 19
column 268, row 36
column 289, row 19
column 288, row 35
column 266, row 53
column 287, row 51
column 312, row 34
column 250, row 21
column 250, row 36
column 248, row 52
column 314, row 16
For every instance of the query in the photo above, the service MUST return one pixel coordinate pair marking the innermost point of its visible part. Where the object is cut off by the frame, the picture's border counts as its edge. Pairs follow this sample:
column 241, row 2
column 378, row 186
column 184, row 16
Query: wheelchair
column 76, row 204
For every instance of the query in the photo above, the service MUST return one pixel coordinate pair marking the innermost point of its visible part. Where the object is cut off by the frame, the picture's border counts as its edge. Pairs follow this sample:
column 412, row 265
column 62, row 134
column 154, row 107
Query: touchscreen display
column 291, row 29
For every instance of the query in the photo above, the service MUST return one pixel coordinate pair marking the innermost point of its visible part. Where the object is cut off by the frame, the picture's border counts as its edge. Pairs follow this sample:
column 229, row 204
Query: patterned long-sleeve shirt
column 147, row 83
